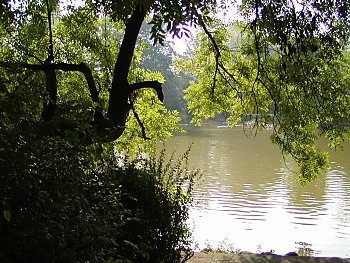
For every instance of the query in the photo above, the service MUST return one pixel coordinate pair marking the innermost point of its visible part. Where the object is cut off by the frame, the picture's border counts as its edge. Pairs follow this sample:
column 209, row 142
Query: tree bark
column 119, row 107
column 50, row 98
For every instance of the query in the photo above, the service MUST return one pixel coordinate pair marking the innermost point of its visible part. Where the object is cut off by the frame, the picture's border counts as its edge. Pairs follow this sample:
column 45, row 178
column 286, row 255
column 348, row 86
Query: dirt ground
column 203, row 257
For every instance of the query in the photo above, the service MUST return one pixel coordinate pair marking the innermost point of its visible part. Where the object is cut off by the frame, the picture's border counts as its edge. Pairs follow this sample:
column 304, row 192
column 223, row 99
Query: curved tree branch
column 156, row 85
column 82, row 67
column 217, row 54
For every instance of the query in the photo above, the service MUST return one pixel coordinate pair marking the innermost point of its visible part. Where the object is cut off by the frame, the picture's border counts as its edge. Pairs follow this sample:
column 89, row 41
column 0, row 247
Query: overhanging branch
column 82, row 67
column 218, row 66
column 216, row 52
column 156, row 85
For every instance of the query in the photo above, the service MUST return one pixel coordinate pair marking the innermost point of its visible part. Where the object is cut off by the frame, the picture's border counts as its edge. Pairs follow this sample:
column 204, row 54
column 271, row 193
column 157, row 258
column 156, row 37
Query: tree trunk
column 119, row 107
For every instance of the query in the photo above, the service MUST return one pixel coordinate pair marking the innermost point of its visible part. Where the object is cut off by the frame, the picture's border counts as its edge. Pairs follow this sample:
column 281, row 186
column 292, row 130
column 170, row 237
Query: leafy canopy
column 285, row 65
column 165, row 16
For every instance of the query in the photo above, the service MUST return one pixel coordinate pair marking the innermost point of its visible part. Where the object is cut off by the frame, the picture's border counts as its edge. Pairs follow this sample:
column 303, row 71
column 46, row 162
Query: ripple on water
column 248, row 186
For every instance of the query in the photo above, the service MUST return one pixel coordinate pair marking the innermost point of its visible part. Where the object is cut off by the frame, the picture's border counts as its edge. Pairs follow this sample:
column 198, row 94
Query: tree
column 291, row 71
column 109, row 117
column 68, row 80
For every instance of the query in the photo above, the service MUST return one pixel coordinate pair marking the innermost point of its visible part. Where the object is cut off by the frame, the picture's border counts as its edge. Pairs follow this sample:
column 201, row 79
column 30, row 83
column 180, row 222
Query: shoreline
column 224, row 257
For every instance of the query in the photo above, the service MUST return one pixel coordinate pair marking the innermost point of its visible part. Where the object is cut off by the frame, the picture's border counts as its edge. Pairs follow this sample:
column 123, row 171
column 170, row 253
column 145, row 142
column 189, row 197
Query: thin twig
column 143, row 129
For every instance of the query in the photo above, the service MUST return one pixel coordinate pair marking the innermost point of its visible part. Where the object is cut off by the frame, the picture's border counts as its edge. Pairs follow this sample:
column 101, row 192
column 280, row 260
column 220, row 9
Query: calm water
column 248, row 199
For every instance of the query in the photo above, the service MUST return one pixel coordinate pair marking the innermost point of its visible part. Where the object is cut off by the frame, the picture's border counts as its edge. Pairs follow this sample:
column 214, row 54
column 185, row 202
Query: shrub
column 60, row 206
column 61, row 201
column 159, row 194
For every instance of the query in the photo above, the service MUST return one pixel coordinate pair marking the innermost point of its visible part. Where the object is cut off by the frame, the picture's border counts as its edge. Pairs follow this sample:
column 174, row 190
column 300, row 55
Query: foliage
column 63, row 205
column 291, row 68
column 173, row 17
column 299, row 28
column 302, row 62
column 160, row 58
column 160, row 196
column 302, row 97
column 68, row 80
column 61, row 201
column 222, row 247
column 80, row 36
column 205, row 98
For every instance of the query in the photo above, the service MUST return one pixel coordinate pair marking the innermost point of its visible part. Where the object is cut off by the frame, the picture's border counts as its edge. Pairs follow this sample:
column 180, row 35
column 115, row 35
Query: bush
column 55, row 195
column 61, row 201
column 159, row 195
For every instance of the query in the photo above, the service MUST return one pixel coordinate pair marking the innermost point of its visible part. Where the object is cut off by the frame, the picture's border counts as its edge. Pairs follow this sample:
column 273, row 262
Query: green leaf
column 7, row 215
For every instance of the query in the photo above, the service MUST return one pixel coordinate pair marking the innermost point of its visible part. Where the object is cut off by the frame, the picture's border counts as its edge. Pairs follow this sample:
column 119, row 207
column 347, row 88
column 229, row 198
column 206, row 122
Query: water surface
column 250, row 200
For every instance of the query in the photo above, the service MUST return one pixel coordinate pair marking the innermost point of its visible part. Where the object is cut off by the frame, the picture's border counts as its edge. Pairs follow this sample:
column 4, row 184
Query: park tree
column 286, row 64
column 70, row 86
column 294, row 56
column 48, row 38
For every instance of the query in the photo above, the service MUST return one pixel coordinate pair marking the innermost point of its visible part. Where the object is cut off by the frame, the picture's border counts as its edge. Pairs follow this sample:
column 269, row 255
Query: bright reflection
column 250, row 200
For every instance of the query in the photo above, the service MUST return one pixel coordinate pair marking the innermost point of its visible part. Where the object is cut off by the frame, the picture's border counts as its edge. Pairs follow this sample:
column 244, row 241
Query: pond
column 249, row 197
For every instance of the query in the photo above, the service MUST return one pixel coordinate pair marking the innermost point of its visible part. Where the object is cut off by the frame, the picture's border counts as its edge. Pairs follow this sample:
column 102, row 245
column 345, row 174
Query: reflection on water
column 250, row 199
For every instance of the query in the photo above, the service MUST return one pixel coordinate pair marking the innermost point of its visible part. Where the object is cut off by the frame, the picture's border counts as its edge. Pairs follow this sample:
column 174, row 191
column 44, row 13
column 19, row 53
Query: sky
column 179, row 45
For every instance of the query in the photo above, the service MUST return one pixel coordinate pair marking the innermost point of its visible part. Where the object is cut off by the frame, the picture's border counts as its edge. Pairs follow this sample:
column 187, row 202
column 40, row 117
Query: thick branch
column 106, row 130
column 82, row 67
column 156, row 85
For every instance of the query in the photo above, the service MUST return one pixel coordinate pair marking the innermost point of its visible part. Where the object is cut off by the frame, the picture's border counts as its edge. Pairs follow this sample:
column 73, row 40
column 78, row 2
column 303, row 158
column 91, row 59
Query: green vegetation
column 63, row 202
column 64, row 195
column 75, row 93
column 281, row 66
